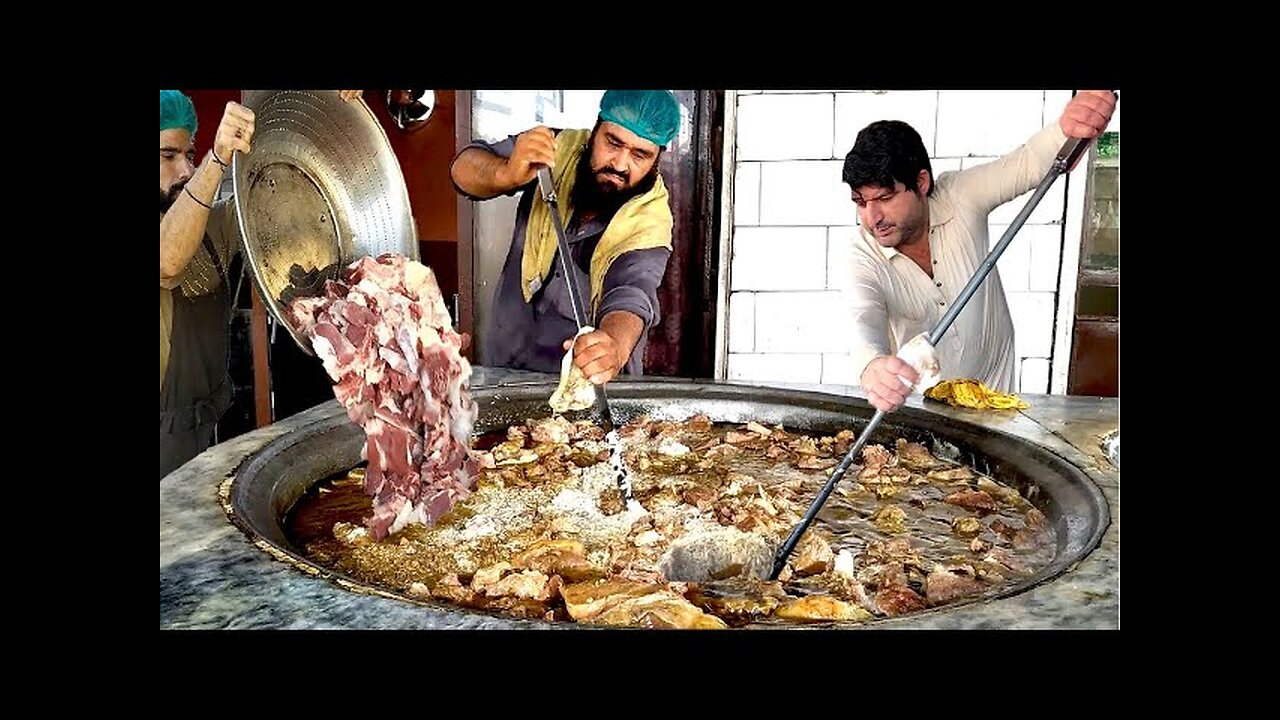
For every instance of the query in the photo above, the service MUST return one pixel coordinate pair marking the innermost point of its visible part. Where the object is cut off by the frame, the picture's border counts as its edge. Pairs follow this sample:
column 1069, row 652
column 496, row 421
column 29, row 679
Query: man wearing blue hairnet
column 618, row 222
column 197, row 240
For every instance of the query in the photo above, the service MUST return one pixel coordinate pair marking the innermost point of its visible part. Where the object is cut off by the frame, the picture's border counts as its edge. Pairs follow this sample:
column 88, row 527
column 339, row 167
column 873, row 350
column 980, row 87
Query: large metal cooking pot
column 320, row 189
column 268, row 484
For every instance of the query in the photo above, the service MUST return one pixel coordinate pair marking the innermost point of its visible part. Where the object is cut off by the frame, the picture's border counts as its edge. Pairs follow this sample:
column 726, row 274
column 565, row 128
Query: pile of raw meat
column 387, row 341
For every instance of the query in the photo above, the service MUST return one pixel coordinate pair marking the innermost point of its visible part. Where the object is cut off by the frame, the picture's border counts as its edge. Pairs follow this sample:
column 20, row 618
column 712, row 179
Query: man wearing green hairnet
column 197, row 240
column 618, row 223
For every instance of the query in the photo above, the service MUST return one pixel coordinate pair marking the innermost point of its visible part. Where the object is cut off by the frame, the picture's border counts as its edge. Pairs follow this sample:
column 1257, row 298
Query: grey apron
column 197, row 387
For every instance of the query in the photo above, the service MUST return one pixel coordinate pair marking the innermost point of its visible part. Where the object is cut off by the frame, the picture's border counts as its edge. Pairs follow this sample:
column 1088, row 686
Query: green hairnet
column 652, row 114
column 176, row 111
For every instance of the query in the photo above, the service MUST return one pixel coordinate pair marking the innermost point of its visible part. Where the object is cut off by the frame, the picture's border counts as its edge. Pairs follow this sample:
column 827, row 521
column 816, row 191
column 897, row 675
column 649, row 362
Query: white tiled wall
column 986, row 122
column 755, row 258
column 804, row 192
column 785, row 127
column 793, row 217
column 778, row 367
column 854, row 111
column 746, row 193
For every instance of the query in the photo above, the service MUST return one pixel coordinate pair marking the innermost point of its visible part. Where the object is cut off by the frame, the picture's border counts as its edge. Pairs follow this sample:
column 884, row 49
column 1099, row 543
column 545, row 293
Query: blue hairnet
column 652, row 114
column 176, row 111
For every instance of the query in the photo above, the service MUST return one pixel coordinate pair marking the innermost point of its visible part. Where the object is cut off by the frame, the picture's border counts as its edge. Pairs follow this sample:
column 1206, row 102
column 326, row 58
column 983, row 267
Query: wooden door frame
column 466, row 230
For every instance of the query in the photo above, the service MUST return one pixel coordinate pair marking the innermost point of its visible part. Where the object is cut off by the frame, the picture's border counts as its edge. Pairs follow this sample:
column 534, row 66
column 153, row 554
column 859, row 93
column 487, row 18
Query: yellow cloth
column 643, row 222
column 973, row 394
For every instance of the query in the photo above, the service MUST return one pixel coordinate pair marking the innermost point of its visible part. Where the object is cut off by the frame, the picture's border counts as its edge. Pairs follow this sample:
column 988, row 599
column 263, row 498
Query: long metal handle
column 1066, row 157
column 548, row 190
column 549, row 194
column 780, row 561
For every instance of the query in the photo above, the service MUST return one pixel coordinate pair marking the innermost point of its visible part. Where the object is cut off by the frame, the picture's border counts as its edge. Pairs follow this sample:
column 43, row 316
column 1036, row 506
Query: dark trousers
column 178, row 447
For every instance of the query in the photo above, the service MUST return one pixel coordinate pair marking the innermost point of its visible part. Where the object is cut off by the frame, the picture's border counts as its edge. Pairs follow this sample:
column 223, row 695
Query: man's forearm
column 867, row 317
column 625, row 329
column 183, row 225
column 481, row 173
column 989, row 185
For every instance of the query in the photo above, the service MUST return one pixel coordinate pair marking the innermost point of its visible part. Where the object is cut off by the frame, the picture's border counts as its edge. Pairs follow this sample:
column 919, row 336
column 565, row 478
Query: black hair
column 885, row 153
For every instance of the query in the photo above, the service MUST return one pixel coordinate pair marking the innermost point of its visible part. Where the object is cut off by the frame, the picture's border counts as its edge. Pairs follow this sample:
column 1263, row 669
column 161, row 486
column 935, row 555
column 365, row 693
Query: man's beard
column 907, row 230
column 591, row 191
column 167, row 199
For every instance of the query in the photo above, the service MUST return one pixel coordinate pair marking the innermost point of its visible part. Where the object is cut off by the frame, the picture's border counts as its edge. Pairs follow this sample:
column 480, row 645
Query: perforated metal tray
column 320, row 188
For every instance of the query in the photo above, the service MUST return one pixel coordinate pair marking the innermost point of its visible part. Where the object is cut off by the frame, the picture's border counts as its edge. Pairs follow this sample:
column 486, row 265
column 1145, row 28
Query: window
column 1095, row 349
column 1102, row 234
